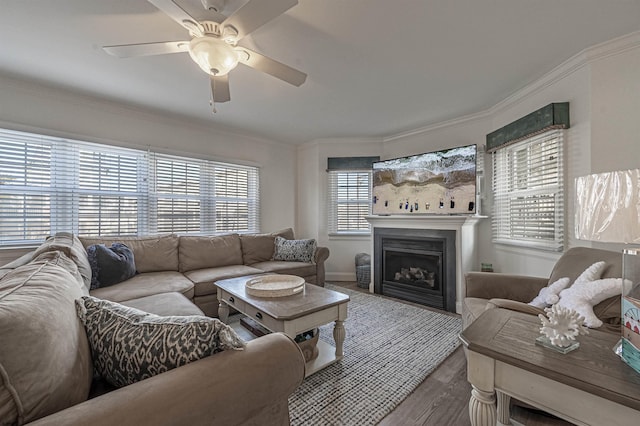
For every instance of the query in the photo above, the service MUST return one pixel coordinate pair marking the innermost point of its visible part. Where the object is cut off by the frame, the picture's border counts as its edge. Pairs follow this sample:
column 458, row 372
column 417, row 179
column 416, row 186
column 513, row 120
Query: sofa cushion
column 259, row 247
column 209, row 252
column 45, row 360
column 146, row 284
column 164, row 304
column 72, row 247
column 204, row 279
column 295, row 250
column 301, row 269
column 129, row 345
column 152, row 253
column 110, row 265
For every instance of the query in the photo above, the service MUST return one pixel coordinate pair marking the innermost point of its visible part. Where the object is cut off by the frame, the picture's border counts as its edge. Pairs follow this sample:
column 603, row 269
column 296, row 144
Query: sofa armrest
column 512, row 305
column 491, row 285
column 322, row 254
column 228, row 388
column 22, row 260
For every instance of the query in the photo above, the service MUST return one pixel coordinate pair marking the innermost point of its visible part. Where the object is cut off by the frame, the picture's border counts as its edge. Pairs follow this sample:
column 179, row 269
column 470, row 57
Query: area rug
column 390, row 348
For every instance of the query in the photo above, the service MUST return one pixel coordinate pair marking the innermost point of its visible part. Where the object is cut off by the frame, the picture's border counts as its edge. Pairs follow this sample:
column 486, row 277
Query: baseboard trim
column 340, row 276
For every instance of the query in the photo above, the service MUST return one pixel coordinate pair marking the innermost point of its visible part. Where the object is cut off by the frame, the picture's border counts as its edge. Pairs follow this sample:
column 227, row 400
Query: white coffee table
column 292, row 315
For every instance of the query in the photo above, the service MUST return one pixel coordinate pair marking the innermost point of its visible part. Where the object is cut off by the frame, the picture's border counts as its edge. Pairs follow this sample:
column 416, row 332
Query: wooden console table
column 589, row 386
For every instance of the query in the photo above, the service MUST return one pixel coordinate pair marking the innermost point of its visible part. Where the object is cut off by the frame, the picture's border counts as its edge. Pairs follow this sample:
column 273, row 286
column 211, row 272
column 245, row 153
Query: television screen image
column 440, row 182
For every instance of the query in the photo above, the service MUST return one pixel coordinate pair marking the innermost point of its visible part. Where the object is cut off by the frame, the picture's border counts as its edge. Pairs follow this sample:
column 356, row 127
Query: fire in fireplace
column 416, row 265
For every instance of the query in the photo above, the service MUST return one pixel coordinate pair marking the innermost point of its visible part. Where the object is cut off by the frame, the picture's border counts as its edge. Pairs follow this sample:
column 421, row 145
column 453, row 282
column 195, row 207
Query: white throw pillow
column 583, row 296
column 549, row 295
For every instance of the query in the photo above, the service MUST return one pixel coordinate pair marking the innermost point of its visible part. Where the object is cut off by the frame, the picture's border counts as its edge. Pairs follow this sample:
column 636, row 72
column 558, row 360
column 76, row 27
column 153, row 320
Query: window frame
column 334, row 201
column 69, row 182
column 528, row 192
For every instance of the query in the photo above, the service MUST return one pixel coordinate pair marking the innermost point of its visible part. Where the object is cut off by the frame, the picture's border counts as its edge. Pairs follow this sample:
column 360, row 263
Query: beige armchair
column 487, row 290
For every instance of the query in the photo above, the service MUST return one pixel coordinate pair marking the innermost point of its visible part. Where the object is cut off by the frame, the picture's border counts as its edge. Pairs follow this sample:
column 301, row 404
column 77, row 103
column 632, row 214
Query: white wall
column 615, row 109
column 575, row 89
column 615, row 112
column 602, row 86
column 30, row 107
column 312, row 196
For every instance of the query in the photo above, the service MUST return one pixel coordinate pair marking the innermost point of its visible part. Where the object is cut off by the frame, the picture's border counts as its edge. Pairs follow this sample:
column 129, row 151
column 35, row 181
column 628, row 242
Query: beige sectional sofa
column 45, row 360
column 192, row 264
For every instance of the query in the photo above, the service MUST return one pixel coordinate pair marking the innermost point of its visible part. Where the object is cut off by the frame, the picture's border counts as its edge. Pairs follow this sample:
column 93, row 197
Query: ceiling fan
column 214, row 43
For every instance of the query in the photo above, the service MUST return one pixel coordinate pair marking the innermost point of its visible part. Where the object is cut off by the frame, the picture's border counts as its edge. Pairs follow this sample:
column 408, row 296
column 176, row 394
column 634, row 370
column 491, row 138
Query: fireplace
column 418, row 265
column 462, row 248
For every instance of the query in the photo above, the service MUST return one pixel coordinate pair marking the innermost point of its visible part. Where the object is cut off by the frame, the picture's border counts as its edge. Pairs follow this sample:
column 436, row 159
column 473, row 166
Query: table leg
column 338, row 337
column 223, row 311
column 504, row 416
column 482, row 408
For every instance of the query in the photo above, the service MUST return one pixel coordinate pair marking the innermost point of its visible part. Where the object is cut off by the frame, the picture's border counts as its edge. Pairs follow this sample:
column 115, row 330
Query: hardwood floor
column 443, row 397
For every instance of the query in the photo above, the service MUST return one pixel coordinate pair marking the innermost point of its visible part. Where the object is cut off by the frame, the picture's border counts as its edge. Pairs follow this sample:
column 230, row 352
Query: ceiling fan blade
column 176, row 13
column 256, row 13
column 220, row 88
column 147, row 49
column 271, row 66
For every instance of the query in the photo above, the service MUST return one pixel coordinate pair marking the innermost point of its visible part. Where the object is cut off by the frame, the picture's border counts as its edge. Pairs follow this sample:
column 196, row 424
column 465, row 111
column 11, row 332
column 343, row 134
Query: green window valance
column 351, row 163
column 552, row 116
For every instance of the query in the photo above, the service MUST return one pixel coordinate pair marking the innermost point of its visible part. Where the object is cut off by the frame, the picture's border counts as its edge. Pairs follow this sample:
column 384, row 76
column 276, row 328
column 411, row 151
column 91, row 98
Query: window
column 528, row 192
column 350, row 201
column 48, row 185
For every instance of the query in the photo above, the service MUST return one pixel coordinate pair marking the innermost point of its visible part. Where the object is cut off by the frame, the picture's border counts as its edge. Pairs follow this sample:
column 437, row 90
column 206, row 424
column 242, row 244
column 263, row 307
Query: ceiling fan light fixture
column 213, row 55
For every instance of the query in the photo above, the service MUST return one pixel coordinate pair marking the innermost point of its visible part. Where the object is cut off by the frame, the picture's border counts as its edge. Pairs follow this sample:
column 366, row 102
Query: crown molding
column 587, row 56
column 339, row 141
column 437, row 126
column 578, row 61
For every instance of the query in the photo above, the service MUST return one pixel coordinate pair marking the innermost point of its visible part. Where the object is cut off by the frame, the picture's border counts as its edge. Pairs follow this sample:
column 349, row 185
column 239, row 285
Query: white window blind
column 110, row 197
column 179, row 195
column 349, row 201
column 48, row 185
column 25, row 188
column 235, row 198
column 528, row 192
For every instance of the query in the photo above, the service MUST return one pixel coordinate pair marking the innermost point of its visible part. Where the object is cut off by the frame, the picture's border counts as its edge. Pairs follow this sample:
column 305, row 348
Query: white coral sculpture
column 562, row 325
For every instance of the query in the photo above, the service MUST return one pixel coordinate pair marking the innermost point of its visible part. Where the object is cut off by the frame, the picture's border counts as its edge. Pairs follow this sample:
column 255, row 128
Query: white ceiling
column 375, row 67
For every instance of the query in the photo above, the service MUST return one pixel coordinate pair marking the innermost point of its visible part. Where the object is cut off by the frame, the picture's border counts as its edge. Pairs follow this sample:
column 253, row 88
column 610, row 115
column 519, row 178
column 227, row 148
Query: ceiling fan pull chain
column 212, row 102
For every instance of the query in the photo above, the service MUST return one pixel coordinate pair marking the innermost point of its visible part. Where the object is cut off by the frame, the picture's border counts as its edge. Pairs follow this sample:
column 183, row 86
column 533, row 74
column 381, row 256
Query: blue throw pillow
column 110, row 265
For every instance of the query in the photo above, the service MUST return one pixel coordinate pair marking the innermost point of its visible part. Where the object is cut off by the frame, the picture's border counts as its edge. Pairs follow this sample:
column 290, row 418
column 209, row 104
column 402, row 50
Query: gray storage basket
column 363, row 270
column 363, row 275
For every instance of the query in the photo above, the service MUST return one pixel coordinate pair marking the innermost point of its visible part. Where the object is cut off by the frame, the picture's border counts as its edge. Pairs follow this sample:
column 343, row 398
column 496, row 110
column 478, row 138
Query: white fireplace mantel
column 466, row 240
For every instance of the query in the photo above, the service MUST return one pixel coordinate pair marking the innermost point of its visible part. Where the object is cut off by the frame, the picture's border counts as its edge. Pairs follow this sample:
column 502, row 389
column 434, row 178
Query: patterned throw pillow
column 129, row 345
column 110, row 265
column 295, row 250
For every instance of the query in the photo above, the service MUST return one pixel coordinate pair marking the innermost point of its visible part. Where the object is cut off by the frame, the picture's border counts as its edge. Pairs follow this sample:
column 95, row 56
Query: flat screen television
column 439, row 182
